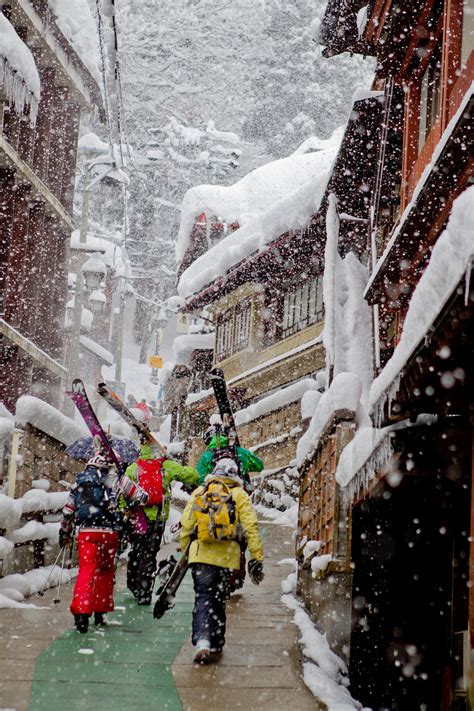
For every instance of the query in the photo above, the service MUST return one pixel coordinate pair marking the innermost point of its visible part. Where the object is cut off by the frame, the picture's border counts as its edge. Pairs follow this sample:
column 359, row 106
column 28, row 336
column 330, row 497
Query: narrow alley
column 139, row 663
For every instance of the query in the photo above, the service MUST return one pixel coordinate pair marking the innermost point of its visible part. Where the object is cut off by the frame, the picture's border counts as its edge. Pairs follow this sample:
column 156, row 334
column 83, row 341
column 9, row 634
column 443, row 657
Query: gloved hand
column 255, row 568
column 65, row 538
column 144, row 499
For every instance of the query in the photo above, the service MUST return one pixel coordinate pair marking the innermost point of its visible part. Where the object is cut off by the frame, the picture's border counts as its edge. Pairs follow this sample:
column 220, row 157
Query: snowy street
column 236, row 313
column 139, row 663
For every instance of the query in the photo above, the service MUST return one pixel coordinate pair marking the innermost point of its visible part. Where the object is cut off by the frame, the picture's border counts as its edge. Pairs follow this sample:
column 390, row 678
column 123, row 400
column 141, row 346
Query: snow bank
column 18, row 73
column 48, row 419
column 10, row 512
column 450, row 260
column 265, row 203
column 343, row 394
column 6, row 547
column 77, row 24
column 14, row 588
column 183, row 346
column 35, row 531
column 324, row 673
column 273, row 402
column 39, row 500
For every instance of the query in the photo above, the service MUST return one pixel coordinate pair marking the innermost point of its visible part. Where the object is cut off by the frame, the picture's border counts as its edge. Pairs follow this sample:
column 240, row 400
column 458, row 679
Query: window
column 430, row 96
column 467, row 45
column 233, row 330
column 224, row 335
column 241, row 326
column 302, row 306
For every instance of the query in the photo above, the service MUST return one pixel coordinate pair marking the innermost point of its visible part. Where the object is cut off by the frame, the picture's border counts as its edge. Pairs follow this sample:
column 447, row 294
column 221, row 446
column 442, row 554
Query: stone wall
column 43, row 457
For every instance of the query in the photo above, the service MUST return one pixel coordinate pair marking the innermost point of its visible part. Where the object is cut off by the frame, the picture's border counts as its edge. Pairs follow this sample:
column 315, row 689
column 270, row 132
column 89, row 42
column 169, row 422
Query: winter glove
column 65, row 539
column 255, row 568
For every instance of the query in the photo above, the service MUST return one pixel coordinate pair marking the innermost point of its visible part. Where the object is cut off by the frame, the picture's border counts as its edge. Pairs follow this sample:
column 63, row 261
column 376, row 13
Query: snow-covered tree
column 297, row 93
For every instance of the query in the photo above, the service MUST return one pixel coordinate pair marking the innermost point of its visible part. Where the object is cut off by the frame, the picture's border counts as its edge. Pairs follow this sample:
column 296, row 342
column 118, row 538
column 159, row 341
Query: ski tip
column 217, row 373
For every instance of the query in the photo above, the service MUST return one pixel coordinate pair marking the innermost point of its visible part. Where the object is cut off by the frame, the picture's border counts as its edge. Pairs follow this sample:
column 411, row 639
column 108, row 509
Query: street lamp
column 97, row 301
column 94, row 271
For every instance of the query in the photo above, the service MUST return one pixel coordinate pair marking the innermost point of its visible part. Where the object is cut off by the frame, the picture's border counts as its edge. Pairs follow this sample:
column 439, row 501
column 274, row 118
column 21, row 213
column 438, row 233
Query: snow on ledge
column 282, row 397
column 183, row 346
column 450, row 260
column 48, row 419
column 343, row 394
column 97, row 349
column 18, row 73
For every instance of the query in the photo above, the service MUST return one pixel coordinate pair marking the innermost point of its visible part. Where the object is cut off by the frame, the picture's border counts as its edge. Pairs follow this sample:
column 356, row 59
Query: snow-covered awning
column 19, row 76
column 183, row 346
column 76, row 22
column 450, row 259
column 98, row 350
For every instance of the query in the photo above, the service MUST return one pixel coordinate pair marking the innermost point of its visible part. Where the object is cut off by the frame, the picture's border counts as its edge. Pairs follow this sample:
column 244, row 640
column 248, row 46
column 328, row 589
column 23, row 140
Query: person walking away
column 147, row 524
column 213, row 518
column 218, row 447
column 91, row 507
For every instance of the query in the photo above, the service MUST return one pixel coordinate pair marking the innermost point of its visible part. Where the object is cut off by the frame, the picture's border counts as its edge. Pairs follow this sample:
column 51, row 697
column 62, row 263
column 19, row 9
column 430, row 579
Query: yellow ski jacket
column 225, row 554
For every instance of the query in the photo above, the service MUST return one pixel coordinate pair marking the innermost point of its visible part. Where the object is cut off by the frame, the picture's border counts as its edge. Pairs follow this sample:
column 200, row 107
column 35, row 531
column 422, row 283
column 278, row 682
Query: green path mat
column 126, row 665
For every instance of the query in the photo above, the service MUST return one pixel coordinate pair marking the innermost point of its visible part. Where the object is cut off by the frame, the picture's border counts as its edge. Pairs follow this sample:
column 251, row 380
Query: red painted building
column 38, row 144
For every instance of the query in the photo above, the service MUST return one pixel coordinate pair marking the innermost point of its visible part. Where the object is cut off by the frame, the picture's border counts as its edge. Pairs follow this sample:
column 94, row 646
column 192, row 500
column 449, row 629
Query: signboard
column 155, row 361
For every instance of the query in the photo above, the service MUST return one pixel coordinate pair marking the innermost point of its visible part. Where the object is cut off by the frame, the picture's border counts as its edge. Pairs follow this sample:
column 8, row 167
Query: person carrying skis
column 213, row 519
column 91, row 507
column 215, row 440
column 218, row 447
column 147, row 524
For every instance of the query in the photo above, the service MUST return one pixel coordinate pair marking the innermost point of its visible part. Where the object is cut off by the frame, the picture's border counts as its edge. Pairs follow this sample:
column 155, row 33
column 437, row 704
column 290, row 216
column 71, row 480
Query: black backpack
column 92, row 499
column 228, row 452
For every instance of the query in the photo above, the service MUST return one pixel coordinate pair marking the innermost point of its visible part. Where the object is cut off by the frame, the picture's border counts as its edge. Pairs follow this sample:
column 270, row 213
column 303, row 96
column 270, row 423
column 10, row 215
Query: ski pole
column 41, row 592
column 57, row 599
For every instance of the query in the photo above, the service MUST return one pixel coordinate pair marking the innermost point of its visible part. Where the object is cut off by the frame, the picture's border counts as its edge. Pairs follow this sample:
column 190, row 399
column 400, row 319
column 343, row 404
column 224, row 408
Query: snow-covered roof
column 48, row 419
column 93, row 264
column 77, row 24
column 450, row 260
column 254, row 194
column 113, row 254
column 97, row 350
column 183, row 346
column 283, row 197
column 18, row 73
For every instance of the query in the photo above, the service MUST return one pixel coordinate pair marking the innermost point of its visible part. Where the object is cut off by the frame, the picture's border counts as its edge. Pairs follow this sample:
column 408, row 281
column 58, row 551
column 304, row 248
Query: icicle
column 468, row 282
column 17, row 91
column 367, row 472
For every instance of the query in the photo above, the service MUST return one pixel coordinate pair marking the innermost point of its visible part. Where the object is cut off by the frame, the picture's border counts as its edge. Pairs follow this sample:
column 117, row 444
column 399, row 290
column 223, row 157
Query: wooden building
column 40, row 107
column 392, row 503
column 268, row 307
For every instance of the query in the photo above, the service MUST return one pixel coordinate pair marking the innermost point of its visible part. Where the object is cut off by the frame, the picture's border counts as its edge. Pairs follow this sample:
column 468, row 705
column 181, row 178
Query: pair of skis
column 81, row 400
column 221, row 394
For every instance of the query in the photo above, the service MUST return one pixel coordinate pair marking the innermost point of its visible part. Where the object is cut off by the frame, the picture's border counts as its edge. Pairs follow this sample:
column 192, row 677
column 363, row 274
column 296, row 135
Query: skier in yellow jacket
column 212, row 520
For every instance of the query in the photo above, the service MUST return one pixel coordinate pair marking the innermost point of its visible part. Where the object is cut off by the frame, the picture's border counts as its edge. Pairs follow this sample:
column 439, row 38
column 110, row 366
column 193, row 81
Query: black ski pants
column 142, row 565
column 209, row 604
